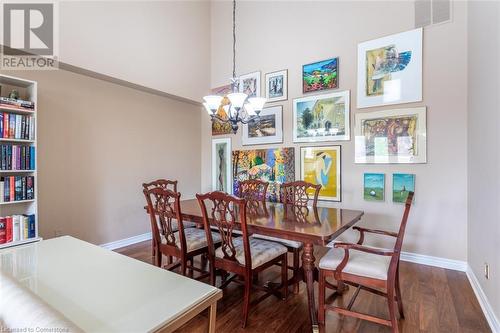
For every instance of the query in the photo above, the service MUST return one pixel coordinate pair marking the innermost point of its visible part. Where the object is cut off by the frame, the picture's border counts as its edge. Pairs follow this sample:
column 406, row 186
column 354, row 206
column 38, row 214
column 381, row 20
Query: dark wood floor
column 435, row 300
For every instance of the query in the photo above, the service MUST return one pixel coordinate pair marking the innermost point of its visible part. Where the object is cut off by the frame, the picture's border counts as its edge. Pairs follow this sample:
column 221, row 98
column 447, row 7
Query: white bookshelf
column 27, row 90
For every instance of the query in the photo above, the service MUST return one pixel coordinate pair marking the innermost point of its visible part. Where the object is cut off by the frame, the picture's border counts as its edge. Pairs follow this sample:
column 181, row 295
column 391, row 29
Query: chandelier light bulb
column 205, row 104
column 237, row 99
column 257, row 103
column 249, row 109
column 213, row 102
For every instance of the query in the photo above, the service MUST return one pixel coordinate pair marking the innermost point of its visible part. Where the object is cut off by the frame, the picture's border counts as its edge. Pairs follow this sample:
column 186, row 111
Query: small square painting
column 374, row 186
column 321, row 75
column 402, row 184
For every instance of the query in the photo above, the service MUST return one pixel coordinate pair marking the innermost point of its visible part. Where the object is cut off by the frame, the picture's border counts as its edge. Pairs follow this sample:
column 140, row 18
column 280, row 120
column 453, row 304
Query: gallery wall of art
column 272, row 39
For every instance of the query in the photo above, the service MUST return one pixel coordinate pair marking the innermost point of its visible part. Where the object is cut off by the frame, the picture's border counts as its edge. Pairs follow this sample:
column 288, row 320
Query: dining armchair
column 168, row 185
column 366, row 268
column 295, row 195
column 243, row 256
column 181, row 243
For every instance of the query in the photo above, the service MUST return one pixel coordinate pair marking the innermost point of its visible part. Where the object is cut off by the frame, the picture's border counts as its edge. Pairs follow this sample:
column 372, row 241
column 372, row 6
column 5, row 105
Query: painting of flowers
column 273, row 165
column 320, row 75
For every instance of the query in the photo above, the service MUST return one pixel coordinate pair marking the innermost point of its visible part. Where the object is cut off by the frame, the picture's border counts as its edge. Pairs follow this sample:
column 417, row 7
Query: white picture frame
column 226, row 165
column 276, row 86
column 250, row 84
column 268, row 116
column 390, row 70
column 325, row 129
column 380, row 149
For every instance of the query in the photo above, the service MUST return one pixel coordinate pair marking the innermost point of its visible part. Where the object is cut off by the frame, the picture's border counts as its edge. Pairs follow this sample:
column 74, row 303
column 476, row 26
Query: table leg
column 308, row 267
column 212, row 314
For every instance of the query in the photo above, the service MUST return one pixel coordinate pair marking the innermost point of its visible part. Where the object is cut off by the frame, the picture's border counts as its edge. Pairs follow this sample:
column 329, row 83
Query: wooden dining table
column 309, row 225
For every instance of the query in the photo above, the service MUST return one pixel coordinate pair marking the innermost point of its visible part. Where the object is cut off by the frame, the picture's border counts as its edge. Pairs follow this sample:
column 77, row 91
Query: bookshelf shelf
column 19, row 218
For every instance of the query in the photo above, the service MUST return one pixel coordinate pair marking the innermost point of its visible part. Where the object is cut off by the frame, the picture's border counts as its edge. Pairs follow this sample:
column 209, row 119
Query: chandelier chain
column 234, row 39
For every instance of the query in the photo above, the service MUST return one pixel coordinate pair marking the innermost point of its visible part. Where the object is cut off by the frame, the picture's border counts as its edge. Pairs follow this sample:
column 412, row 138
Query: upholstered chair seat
column 195, row 238
column 360, row 263
column 286, row 242
column 261, row 251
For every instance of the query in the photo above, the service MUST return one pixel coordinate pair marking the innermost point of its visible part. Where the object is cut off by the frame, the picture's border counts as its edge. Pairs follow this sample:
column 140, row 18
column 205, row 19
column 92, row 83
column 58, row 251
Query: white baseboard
column 456, row 265
column 127, row 241
column 483, row 301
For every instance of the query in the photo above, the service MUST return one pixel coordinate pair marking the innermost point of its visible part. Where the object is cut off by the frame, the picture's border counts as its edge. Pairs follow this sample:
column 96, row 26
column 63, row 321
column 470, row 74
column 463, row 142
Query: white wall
column 276, row 35
column 162, row 45
column 484, row 145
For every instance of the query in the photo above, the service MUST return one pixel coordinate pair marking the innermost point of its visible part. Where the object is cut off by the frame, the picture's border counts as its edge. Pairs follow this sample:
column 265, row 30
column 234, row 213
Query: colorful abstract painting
column 320, row 75
column 374, row 186
column 274, row 165
column 321, row 165
column 221, row 165
column 391, row 136
column 321, row 118
column 402, row 183
column 390, row 69
column 219, row 127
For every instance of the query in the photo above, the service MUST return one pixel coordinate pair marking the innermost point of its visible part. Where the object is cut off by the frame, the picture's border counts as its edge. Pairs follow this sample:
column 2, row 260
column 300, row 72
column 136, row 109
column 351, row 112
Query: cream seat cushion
column 195, row 239
column 286, row 242
column 360, row 263
column 261, row 251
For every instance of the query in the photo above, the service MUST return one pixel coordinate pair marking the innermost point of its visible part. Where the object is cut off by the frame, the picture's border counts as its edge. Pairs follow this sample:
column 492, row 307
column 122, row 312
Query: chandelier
column 236, row 107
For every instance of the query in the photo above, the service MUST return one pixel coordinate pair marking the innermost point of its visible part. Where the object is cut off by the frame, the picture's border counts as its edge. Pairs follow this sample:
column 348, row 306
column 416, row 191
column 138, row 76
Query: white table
column 103, row 291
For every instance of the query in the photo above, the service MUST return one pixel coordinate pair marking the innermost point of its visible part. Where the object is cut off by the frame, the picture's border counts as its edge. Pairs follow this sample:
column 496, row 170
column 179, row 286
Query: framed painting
column 219, row 127
column 268, row 128
column 321, row 75
column 402, row 183
column 277, row 86
column 390, row 69
column 322, row 118
column 250, row 84
column 273, row 165
column 221, row 165
column 374, row 187
column 322, row 165
column 391, row 136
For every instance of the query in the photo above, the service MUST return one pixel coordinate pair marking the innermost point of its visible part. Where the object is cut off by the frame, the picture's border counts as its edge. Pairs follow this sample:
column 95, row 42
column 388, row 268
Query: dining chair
column 183, row 243
column 295, row 195
column 165, row 184
column 367, row 268
column 253, row 190
column 243, row 256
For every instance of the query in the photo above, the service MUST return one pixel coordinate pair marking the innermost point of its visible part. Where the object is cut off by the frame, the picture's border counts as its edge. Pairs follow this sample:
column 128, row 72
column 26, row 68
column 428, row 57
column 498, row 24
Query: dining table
column 309, row 225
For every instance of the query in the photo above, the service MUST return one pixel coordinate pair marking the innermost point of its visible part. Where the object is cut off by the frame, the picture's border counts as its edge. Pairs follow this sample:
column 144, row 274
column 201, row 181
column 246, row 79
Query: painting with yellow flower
column 321, row 165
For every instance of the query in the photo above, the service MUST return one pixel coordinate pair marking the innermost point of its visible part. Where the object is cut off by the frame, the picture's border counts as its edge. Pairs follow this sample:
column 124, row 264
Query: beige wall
column 484, row 142
column 98, row 142
column 162, row 45
column 281, row 35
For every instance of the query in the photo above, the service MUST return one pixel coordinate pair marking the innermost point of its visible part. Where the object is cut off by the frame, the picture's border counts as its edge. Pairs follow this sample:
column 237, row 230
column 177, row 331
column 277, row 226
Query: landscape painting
column 321, row 118
column 321, row 75
column 277, row 86
column 221, row 165
column 321, row 165
column 219, row 127
column 402, row 183
column 273, row 165
column 391, row 136
column 250, row 84
column 268, row 128
column 374, row 186
column 390, row 69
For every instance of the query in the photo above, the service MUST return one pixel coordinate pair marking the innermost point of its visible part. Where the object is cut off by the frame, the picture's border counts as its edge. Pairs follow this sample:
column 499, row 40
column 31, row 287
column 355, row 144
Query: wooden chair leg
column 398, row 295
column 190, row 270
column 212, row 273
column 183, row 266
column 153, row 247
column 169, row 260
column 246, row 300
column 321, row 298
column 284, row 276
column 158, row 257
column 296, row 267
column 392, row 308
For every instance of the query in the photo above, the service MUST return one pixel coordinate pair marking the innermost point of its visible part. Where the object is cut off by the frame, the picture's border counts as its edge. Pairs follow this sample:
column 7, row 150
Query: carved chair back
column 296, row 193
column 163, row 183
column 164, row 211
column 253, row 190
column 224, row 211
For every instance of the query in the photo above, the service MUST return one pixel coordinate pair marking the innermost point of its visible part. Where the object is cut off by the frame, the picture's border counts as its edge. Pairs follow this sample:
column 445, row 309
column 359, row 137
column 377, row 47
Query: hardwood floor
column 435, row 300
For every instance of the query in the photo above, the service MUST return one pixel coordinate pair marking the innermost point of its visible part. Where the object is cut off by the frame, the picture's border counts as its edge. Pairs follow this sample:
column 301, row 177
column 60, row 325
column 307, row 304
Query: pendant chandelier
column 236, row 107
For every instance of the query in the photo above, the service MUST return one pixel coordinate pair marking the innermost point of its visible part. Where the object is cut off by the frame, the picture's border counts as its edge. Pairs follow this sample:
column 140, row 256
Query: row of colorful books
column 17, row 228
column 17, row 157
column 16, row 188
column 17, row 126
column 17, row 103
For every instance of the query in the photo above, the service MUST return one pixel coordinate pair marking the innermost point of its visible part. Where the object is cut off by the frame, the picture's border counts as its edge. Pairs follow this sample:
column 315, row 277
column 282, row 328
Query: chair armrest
column 358, row 247
column 376, row 231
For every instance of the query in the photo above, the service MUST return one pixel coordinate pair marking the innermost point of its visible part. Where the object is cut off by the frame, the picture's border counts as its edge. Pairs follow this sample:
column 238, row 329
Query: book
column 5, row 133
column 32, row 226
column 3, row 234
column 16, row 229
column 12, row 190
column 8, row 228
column 12, row 126
column 26, row 227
